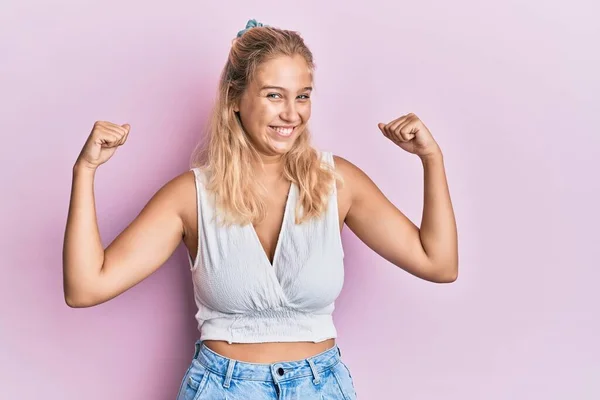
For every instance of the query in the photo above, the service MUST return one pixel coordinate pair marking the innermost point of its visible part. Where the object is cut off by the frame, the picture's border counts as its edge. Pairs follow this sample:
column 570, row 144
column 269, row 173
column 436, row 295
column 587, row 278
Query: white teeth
column 283, row 131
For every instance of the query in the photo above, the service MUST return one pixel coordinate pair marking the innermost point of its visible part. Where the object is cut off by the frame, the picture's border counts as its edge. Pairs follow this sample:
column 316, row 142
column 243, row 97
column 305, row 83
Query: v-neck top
column 244, row 298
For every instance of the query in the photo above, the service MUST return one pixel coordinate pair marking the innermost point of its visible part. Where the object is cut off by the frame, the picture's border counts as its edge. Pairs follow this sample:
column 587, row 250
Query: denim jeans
column 215, row 377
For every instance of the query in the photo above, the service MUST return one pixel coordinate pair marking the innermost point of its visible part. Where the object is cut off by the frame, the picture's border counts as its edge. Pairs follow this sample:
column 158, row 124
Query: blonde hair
column 228, row 155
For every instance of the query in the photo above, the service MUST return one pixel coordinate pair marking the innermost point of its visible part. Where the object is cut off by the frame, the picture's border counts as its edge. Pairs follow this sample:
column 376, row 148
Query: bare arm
column 429, row 253
column 438, row 231
column 93, row 275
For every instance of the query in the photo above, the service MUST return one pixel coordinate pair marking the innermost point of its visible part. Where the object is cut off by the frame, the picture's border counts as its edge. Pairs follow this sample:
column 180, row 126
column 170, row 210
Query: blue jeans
column 215, row 377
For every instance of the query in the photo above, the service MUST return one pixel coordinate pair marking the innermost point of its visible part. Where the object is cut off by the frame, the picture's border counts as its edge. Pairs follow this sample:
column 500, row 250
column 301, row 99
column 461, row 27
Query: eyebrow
column 283, row 89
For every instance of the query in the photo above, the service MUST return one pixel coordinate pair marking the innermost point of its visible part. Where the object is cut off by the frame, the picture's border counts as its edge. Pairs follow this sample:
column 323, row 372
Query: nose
column 289, row 113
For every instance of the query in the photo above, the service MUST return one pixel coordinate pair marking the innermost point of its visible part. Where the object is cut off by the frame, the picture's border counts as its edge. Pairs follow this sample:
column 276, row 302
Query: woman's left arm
column 429, row 252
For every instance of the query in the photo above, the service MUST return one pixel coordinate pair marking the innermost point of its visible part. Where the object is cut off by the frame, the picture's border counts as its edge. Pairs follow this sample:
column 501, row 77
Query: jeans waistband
column 277, row 372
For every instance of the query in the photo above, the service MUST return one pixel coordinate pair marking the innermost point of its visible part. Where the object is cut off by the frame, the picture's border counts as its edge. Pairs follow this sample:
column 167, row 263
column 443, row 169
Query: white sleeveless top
column 242, row 298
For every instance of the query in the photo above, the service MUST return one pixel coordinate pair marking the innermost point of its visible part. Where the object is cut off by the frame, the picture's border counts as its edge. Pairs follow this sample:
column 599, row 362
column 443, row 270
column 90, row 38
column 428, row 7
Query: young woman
column 261, row 213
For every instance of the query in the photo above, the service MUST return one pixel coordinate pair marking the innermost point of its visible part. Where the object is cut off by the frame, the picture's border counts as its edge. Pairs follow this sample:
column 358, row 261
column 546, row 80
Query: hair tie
column 252, row 23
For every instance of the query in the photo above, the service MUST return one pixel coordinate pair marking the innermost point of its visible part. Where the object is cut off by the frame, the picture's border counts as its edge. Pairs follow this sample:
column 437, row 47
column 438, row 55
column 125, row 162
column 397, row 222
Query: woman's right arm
column 92, row 274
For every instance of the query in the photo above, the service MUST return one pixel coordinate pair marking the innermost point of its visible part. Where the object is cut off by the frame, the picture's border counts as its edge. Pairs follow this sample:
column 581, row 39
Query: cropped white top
column 243, row 298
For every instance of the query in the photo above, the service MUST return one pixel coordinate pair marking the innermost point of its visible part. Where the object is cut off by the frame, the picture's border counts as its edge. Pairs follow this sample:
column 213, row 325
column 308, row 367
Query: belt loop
column 196, row 349
column 229, row 373
column 313, row 368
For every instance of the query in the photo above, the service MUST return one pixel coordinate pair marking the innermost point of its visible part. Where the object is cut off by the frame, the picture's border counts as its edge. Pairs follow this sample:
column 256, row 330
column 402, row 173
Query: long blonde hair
column 227, row 154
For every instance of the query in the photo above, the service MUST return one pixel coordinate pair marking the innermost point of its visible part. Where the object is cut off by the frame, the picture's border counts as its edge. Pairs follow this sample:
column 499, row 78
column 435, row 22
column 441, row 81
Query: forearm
column 83, row 253
column 438, row 226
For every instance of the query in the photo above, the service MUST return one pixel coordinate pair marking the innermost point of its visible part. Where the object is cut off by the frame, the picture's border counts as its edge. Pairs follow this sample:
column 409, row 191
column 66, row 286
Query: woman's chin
column 280, row 147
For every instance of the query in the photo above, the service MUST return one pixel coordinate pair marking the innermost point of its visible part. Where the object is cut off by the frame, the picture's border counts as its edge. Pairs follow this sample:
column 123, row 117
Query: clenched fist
column 102, row 143
column 411, row 134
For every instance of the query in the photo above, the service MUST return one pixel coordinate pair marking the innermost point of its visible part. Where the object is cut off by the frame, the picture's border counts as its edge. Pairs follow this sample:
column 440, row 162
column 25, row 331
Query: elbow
column 449, row 278
column 79, row 300
column 73, row 297
column 75, row 302
column 72, row 303
column 82, row 293
column 448, row 275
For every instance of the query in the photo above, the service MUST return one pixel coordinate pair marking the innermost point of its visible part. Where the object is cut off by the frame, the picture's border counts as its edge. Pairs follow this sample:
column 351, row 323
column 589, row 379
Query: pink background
column 509, row 90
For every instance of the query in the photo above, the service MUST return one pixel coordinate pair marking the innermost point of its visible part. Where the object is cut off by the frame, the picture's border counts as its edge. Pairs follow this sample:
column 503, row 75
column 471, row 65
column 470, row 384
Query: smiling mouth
column 284, row 131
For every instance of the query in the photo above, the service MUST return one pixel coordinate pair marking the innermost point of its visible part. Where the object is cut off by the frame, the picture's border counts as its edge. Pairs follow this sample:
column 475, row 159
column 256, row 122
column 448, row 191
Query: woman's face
column 275, row 107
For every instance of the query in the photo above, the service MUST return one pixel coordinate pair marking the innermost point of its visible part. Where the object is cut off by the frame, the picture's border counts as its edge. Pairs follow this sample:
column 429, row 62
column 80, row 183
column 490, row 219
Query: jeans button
column 280, row 371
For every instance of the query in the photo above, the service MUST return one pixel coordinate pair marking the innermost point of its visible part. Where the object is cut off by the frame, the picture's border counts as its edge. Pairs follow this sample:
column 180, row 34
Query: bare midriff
column 267, row 353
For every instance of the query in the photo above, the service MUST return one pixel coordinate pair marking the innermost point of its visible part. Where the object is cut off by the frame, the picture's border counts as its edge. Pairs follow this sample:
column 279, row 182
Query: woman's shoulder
column 354, row 178
column 344, row 167
column 180, row 193
column 182, row 184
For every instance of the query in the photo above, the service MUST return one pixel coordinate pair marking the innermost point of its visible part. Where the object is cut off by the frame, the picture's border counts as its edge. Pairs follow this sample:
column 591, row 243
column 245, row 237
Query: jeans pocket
column 348, row 372
column 344, row 380
column 193, row 382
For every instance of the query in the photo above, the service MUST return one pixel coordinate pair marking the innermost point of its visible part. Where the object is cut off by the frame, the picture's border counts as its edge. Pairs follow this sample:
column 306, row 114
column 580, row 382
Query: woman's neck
column 269, row 168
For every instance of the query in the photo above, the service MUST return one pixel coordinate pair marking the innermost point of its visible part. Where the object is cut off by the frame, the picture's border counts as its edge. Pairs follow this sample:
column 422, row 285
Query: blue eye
column 304, row 96
column 273, row 94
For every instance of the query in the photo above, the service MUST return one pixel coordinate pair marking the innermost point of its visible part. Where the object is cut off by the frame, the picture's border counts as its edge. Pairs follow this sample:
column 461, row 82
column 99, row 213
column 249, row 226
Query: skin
column 93, row 275
column 279, row 95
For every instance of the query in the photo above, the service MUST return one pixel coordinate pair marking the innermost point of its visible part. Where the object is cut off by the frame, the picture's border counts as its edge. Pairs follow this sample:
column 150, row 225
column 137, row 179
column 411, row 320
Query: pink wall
column 509, row 90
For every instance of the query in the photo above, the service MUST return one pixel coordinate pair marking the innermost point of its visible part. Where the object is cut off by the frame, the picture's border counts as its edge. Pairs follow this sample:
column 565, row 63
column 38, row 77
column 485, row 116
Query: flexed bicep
column 379, row 224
